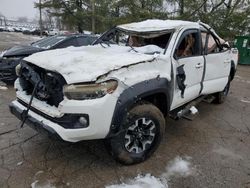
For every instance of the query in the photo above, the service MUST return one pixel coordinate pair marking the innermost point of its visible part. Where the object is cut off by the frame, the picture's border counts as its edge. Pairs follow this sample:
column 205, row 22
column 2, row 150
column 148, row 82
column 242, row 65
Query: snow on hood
column 156, row 25
column 87, row 63
column 149, row 49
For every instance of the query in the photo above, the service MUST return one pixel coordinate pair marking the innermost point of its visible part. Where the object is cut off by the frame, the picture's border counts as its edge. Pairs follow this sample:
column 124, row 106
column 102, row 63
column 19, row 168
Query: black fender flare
column 232, row 70
column 134, row 94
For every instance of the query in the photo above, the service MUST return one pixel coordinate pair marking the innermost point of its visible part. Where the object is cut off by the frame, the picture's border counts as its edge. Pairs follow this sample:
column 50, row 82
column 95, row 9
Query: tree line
column 227, row 17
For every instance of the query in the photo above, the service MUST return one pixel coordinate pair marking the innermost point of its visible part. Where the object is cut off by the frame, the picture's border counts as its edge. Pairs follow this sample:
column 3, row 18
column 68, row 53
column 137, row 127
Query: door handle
column 199, row 65
column 227, row 61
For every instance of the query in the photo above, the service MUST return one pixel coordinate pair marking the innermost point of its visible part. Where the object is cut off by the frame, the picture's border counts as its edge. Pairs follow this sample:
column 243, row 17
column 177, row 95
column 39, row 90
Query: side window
column 83, row 41
column 92, row 39
column 211, row 45
column 67, row 43
column 189, row 45
column 204, row 36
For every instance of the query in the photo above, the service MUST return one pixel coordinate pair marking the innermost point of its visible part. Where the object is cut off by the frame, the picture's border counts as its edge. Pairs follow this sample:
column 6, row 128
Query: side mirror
column 235, row 51
column 225, row 45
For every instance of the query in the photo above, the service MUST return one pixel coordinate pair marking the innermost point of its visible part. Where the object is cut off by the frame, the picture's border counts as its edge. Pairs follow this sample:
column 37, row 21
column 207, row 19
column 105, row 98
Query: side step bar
column 189, row 111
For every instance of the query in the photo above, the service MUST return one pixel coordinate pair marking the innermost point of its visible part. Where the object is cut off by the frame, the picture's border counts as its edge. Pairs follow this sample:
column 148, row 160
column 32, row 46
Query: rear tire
column 220, row 97
column 142, row 132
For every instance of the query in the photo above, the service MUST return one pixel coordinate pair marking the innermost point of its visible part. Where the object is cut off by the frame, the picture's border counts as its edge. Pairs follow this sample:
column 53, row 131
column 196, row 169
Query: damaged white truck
column 121, row 88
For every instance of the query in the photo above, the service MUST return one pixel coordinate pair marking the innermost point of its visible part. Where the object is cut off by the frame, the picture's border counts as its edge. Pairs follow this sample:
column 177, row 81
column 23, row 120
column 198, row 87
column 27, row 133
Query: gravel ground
column 216, row 145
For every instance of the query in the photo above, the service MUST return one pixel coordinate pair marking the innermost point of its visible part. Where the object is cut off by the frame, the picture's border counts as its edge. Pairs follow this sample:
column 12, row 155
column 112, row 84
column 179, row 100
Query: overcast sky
column 18, row 8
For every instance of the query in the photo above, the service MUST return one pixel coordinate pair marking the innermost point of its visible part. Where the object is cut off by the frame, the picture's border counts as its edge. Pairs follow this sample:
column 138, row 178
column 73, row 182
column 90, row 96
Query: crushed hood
column 84, row 64
column 21, row 51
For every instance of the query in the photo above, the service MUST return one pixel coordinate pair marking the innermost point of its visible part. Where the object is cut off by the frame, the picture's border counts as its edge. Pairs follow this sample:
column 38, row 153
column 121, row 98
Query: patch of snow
column 19, row 163
column 178, row 167
column 244, row 101
column 236, row 76
column 193, row 110
column 156, row 25
column 82, row 64
column 37, row 184
column 2, row 53
column 3, row 88
column 242, row 80
column 149, row 49
column 39, row 172
column 87, row 32
column 147, row 181
column 33, row 185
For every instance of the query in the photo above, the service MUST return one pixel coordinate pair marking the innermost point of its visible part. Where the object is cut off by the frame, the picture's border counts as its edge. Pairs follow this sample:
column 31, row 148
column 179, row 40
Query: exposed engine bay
column 49, row 84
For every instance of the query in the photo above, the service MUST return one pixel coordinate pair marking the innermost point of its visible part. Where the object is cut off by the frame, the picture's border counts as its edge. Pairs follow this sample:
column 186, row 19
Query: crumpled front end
column 72, row 120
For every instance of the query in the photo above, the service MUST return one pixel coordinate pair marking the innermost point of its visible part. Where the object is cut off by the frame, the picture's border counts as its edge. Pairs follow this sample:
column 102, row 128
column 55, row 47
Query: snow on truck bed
column 83, row 64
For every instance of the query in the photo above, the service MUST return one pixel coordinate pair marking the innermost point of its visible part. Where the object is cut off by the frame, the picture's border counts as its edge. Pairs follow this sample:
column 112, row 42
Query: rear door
column 218, row 65
column 190, row 68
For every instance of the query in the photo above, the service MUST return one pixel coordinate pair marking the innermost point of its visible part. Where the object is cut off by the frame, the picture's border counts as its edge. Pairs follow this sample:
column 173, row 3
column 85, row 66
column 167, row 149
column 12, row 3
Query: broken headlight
column 18, row 69
column 90, row 91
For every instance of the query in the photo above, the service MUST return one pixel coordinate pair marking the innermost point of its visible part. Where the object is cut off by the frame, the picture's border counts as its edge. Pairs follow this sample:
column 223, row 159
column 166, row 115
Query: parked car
column 122, row 92
column 10, row 58
column 38, row 32
column 52, row 32
column 2, row 28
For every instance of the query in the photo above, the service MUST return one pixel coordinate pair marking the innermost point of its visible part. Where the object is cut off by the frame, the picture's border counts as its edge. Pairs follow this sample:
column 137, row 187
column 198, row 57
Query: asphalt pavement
column 216, row 144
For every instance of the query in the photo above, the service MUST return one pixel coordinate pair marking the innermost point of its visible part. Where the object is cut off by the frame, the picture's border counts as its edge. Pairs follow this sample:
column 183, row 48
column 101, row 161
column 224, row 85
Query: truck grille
column 50, row 84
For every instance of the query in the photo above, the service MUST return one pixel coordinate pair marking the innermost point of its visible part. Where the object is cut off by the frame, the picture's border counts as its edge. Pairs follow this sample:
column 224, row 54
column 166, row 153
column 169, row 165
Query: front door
column 189, row 64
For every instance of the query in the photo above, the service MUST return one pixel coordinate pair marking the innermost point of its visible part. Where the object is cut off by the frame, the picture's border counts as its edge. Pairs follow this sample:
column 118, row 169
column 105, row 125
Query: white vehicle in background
column 10, row 29
column 52, row 32
column 121, row 88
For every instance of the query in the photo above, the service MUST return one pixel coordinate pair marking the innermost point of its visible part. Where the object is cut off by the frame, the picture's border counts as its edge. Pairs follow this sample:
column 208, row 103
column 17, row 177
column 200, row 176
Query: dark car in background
column 10, row 58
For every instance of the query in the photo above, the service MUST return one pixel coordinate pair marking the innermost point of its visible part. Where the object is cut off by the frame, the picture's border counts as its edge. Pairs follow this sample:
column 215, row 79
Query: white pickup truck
column 121, row 88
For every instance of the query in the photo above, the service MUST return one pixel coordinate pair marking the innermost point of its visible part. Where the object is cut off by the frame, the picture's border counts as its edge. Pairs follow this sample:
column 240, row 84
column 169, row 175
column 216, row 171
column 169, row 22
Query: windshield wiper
column 132, row 48
column 101, row 42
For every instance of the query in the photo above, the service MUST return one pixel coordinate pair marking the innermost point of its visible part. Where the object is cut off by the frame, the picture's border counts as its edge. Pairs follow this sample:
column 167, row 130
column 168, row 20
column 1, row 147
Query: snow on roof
column 156, row 25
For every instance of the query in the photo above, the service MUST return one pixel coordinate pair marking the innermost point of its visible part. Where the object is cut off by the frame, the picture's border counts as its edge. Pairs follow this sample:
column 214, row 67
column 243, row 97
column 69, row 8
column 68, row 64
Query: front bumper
column 31, row 121
column 100, row 114
column 7, row 71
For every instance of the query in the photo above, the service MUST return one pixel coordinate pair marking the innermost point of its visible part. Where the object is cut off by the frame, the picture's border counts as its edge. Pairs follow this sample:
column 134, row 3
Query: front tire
column 142, row 132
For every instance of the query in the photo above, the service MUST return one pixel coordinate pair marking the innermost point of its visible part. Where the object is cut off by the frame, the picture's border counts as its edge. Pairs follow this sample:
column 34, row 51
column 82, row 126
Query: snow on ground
column 19, row 163
column 178, row 167
column 245, row 101
column 41, row 182
column 3, row 88
column 147, row 181
column 37, row 184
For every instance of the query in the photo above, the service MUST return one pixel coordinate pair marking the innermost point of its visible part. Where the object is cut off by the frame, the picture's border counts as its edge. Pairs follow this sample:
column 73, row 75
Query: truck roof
column 152, row 25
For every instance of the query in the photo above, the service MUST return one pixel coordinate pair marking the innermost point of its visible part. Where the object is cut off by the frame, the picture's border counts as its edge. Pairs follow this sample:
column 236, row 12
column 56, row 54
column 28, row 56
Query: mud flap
column 181, row 77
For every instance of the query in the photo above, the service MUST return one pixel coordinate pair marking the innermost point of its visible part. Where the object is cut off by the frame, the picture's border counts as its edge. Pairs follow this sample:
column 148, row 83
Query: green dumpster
column 242, row 43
